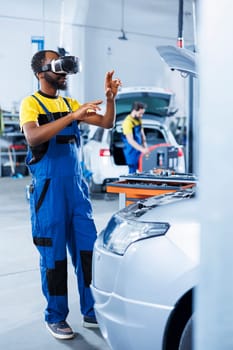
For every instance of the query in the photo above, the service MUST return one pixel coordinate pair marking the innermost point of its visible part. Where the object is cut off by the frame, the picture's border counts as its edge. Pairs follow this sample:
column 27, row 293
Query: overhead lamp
column 123, row 35
column 180, row 59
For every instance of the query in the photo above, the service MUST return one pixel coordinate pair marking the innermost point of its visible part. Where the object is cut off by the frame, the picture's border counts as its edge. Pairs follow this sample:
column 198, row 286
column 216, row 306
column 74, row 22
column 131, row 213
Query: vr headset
column 63, row 65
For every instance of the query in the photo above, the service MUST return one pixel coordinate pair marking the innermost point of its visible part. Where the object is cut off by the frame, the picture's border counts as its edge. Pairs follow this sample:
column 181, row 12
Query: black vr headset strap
column 67, row 103
column 45, row 68
column 48, row 114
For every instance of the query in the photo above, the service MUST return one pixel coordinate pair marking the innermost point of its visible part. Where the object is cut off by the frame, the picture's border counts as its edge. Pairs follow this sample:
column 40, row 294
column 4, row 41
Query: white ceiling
column 156, row 18
column 147, row 23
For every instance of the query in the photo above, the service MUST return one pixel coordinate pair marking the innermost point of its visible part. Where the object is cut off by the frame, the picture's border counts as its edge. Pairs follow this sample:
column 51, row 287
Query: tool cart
column 134, row 187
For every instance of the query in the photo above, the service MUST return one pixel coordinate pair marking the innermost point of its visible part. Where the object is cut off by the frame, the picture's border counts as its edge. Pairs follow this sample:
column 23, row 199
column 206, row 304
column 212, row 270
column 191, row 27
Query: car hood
column 180, row 210
column 170, row 207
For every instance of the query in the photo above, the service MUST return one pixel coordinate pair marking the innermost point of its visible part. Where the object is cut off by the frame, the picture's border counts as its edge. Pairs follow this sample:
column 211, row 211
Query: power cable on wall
column 43, row 18
column 86, row 26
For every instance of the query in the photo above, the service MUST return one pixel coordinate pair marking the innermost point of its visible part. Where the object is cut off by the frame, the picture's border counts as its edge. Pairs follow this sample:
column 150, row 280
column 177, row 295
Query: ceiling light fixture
column 123, row 35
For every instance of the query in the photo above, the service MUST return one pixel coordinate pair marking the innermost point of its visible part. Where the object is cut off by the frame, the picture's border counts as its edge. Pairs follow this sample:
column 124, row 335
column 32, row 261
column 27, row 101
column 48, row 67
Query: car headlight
column 121, row 232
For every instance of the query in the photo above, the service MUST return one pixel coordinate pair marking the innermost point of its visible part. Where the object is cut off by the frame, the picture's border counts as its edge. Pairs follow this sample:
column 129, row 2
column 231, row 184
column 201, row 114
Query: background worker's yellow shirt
column 129, row 123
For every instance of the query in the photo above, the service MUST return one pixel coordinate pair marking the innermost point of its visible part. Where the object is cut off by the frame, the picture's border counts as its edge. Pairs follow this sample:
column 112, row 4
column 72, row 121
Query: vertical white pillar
column 78, row 14
column 214, row 298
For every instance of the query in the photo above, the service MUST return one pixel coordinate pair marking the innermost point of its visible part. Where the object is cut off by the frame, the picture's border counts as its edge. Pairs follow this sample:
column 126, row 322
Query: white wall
column 90, row 30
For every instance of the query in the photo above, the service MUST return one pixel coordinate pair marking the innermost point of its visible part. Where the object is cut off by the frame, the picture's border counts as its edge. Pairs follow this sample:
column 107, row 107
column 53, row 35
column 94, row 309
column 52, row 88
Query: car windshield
column 157, row 103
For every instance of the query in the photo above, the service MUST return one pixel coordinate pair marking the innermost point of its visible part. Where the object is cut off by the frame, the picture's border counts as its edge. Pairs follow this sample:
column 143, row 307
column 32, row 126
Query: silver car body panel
column 136, row 293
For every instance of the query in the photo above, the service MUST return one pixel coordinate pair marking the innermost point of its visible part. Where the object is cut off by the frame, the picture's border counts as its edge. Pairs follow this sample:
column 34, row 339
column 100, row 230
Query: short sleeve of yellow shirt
column 30, row 109
column 129, row 123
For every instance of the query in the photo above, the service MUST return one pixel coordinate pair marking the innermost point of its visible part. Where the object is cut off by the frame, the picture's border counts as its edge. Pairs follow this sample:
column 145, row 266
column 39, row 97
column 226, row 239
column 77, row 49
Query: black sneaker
column 60, row 330
column 90, row 322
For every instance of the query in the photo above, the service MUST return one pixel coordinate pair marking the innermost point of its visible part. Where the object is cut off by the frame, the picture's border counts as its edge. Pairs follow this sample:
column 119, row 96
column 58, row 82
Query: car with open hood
column 103, row 153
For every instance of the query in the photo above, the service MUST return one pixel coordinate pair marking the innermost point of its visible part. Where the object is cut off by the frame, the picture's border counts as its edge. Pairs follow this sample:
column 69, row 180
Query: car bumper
column 128, row 324
column 135, row 294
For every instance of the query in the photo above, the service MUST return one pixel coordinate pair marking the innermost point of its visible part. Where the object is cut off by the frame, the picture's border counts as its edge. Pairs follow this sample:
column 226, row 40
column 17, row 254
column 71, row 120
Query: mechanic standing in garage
column 134, row 137
column 61, row 213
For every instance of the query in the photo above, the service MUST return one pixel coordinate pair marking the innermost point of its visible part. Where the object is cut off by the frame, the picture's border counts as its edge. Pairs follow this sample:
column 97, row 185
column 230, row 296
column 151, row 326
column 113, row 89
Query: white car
column 103, row 155
column 145, row 269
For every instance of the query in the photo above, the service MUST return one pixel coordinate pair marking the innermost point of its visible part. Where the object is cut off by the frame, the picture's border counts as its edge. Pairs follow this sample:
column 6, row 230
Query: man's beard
column 55, row 82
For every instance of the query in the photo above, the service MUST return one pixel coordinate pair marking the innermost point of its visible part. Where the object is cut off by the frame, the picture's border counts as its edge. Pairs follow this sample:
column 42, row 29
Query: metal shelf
column 12, row 144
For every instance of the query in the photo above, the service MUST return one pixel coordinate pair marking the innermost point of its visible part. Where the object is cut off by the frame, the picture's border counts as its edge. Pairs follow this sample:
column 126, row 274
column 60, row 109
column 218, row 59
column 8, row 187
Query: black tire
column 186, row 340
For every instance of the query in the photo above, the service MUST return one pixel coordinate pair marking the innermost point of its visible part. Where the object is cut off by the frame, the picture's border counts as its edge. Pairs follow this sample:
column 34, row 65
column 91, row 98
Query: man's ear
column 38, row 75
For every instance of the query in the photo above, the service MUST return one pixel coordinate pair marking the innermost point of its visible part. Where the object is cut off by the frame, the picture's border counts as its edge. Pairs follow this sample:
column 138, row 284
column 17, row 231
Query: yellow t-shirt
column 129, row 123
column 32, row 111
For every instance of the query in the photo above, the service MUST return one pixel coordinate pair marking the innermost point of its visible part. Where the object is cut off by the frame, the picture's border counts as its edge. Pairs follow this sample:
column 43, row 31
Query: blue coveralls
column 61, row 217
column 131, row 154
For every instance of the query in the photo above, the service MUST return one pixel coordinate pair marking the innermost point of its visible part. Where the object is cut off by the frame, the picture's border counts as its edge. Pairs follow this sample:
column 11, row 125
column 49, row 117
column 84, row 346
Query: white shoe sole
column 90, row 325
column 59, row 336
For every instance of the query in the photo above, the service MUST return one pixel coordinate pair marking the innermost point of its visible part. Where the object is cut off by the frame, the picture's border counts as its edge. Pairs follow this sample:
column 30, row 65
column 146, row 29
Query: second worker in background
column 134, row 137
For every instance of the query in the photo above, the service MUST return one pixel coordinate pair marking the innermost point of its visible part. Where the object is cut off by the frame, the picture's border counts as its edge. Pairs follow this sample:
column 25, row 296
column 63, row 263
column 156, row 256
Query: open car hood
column 179, row 59
column 159, row 102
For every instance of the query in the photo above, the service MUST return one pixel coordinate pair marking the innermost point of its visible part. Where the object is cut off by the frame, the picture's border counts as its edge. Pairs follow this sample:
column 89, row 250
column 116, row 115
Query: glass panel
column 156, row 103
